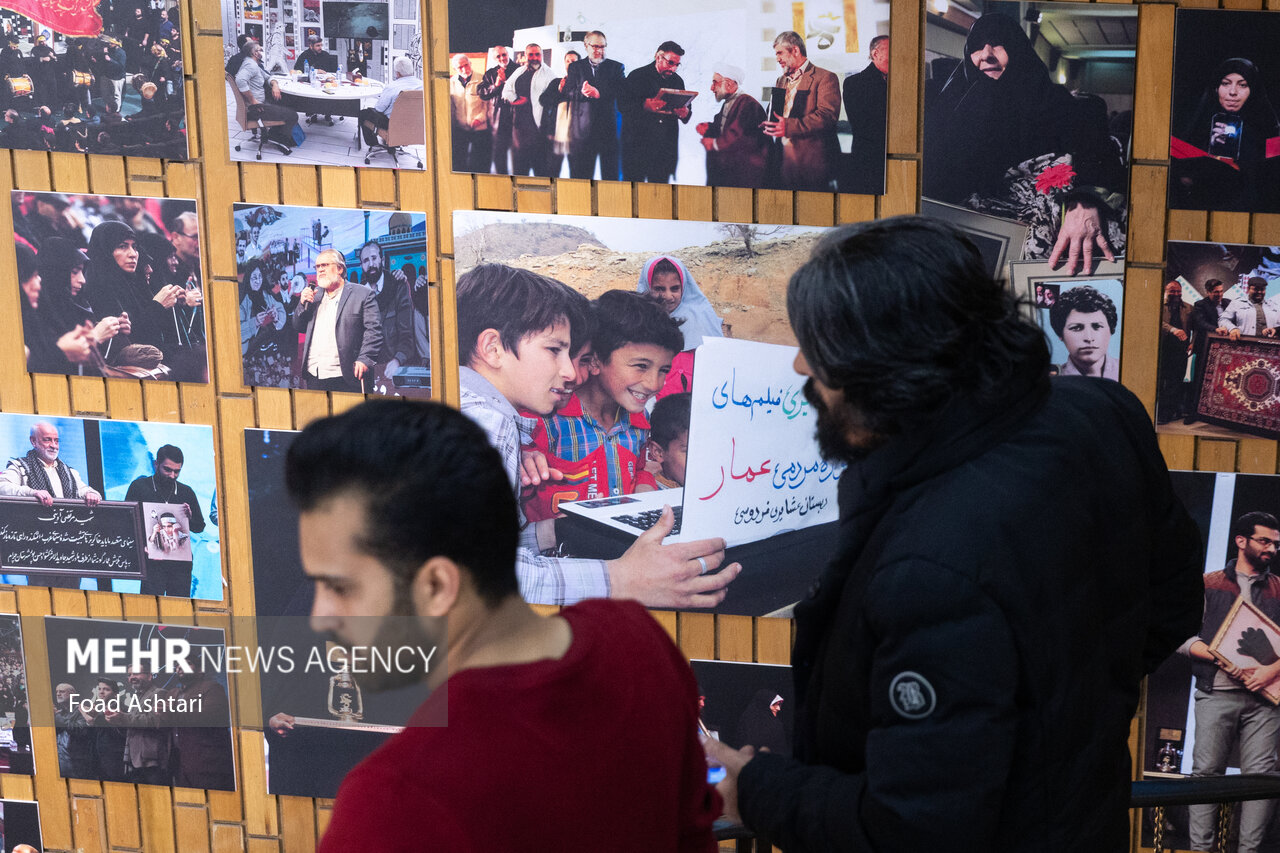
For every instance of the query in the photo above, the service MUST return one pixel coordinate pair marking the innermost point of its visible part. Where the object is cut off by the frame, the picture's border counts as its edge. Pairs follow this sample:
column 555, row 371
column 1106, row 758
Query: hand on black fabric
column 1254, row 643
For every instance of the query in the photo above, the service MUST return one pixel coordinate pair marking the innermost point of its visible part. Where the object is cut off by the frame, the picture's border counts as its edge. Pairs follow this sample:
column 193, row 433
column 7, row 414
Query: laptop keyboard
column 648, row 518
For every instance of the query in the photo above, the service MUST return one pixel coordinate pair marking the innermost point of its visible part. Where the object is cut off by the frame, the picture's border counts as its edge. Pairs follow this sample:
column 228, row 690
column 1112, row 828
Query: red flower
column 1055, row 177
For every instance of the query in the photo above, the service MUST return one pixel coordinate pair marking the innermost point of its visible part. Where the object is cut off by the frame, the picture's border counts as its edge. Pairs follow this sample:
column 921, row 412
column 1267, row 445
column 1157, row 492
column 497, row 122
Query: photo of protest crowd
column 1029, row 118
column 150, row 726
column 82, row 462
column 333, row 83
column 1224, row 144
column 1219, row 359
column 96, row 79
column 674, row 97
column 637, row 307
column 333, row 299
column 111, row 286
column 15, row 712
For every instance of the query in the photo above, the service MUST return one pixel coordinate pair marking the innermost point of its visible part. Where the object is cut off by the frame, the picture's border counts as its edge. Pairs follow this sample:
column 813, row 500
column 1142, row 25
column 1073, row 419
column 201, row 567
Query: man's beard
column 399, row 628
column 832, row 430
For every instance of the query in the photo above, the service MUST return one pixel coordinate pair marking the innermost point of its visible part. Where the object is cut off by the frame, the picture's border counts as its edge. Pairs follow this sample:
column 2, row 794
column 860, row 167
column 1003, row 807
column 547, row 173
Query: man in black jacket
column 1011, row 561
column 1205, row 319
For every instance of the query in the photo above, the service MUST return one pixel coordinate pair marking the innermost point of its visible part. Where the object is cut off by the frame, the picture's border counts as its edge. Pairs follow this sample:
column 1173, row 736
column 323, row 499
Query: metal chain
column 1157, row 833
column 1224, row 825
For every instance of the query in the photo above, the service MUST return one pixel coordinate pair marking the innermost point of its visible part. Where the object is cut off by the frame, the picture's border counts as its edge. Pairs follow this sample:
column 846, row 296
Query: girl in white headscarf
column 670, row 282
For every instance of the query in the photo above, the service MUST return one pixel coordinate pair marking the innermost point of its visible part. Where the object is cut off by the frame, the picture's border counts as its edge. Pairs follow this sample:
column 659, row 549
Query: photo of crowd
column 15, row 712
column 754, row 95
column 308, row 748
column 110, row 286
column 1029, row 118
column 88, row 461
column 104, row 79
column 334, row 83
column 1224, row 144
column 333, row 299
column 149, row 726
column 1205, row 715
column 634, row 299
column 1219, row 358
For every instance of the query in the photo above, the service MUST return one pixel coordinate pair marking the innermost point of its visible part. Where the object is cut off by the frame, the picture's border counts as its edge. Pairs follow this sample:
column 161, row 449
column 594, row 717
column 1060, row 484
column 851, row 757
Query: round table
column 345, row 100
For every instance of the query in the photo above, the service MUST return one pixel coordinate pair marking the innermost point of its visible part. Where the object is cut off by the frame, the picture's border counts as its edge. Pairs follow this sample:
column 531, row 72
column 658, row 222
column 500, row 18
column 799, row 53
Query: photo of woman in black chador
column 1002, row 138
column 1219, row 156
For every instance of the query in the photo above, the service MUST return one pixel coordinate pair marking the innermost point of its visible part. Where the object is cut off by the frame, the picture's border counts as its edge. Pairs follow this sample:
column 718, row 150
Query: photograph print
column 1203, row 719
column 755, row 94
column 311, row 742
column 746, row 704
column 681, row 390
column 371, row 264
column 1219, row 357
column 93, row 78
column 1224, row 144
column 15, row 709
column 330, row 83
column 20, row 826
column 1028, row 117
column 83, row 505
column 1082, row 316
column 111, row 286
column 139, row 720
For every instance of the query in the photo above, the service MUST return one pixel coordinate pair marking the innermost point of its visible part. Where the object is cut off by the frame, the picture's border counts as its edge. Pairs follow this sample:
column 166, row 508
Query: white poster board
column 754, row 469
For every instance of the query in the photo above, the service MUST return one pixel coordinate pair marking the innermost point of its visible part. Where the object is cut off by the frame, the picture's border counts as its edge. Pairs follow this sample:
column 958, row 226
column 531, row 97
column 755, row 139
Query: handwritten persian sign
column 754, row 469
column 70, row 538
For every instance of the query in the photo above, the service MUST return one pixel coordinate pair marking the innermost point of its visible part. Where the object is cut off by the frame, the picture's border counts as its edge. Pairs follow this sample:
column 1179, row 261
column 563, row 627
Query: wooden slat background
column 91, row 816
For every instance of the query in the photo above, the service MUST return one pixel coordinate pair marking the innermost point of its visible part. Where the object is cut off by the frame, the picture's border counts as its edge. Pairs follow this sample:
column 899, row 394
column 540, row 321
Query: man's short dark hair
column 1086, row 300
column 875, row 42
column 367, row 244
column 517, row 303
column 670, row 418
column 671, row 47
column 1211, row 283
column 1245, row 524
column 168, row 451
column 625, row 317
column 902, row 316
column 430, row 483
column 110, row 682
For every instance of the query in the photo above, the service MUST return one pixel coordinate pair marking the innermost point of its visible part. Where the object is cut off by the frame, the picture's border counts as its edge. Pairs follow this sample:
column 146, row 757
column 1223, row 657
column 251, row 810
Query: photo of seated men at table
column 1219, row 352
column 156, row 723
column 344, row 90
column 110, row 286
column 614, row 420
column 333, row 299
column 698, row 99
column 111, row 475
column 1029, row 121
column 94, row 80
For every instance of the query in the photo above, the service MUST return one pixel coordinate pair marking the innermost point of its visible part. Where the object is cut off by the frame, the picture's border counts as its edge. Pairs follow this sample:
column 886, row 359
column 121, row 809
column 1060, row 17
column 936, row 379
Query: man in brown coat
column 805, row 108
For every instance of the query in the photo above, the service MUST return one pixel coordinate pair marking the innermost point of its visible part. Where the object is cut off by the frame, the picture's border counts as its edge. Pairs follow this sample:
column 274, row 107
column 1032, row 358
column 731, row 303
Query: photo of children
column 91, row 78
column 1207, row 719
column 154, row 724
column 81, row 463
column 345, row 90
column 627, row 310
column 1219, row 357
column 751, row 94
column 110, row 286
column 1028, row 118
column 369, row 263
column 1224, row 144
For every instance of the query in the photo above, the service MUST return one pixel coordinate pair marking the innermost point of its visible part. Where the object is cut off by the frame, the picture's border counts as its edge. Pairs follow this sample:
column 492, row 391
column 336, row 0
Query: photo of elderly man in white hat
column 736, row 147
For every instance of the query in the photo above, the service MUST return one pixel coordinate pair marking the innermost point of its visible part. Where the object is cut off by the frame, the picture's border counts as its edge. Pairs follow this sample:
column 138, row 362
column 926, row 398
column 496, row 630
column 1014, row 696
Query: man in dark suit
column 1175, row 326
column 866, row 104
column 343, row 328
column 490, row 90
column 805, row 108
column 650, row 128
column 736, row 148
column 591, row 86
column 1205, row 320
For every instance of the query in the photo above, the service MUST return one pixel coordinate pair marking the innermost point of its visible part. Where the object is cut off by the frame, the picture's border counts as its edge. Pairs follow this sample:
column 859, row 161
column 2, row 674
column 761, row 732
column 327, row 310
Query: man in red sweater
column 576, row 731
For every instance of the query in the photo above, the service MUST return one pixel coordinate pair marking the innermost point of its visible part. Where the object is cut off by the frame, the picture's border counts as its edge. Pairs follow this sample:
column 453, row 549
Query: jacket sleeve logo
column 911, row 695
